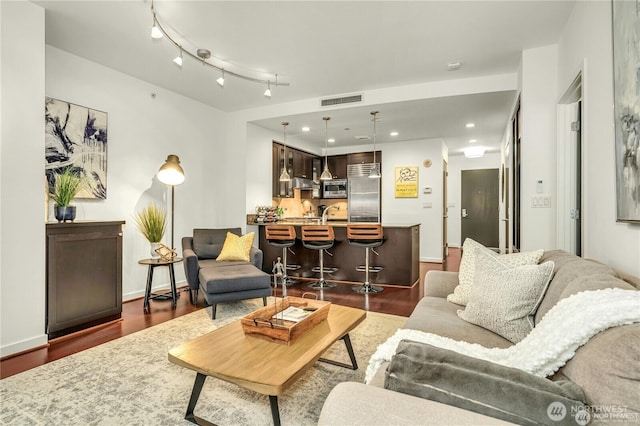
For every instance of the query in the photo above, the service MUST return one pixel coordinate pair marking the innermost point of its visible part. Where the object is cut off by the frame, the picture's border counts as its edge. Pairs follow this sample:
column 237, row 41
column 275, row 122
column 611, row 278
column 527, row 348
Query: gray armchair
column 221, row 281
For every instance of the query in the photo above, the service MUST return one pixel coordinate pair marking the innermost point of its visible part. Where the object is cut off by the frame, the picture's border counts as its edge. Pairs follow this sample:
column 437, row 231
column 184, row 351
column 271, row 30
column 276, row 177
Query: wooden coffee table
column 259, row 365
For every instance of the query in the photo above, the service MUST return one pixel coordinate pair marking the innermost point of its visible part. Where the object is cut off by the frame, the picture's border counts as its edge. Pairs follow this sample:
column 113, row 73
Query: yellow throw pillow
column 236, row 248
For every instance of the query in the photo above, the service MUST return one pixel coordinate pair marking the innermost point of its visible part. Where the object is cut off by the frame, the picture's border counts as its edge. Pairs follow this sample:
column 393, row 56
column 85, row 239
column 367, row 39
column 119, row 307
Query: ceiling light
column 474, row 152
column 331, row 140
column 393, row 134
column 374, row 173
column 220, row 79
column 158, row 31
column 306, row 128
column 326, row 173
column 454, row 66
column 178, row 59
column 267, row 93
column 473, row 140
column 285, row 176
column 470, row 125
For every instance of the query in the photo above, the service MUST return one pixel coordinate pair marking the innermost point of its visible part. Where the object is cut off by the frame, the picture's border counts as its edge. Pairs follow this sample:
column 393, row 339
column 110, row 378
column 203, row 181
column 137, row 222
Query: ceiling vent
column 340, row 101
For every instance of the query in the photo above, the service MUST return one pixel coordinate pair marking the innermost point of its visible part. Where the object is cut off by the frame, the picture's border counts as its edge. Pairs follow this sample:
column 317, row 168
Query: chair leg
column 264, row 301
column 213, row 311
column 321, row 283
column 366, row 287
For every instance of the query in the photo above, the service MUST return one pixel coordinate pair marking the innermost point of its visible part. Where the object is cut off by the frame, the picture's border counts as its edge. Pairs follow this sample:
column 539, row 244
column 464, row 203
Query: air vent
column 340, row 101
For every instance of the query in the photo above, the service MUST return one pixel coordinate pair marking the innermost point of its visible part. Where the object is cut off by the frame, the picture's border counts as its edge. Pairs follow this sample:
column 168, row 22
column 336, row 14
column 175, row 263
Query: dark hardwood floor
column 393, row 300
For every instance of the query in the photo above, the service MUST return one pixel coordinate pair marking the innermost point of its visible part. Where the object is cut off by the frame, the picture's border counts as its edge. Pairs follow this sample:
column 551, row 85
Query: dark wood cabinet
column 84, row 275
column 363, row 157
column 302, row 164
column 338, row 166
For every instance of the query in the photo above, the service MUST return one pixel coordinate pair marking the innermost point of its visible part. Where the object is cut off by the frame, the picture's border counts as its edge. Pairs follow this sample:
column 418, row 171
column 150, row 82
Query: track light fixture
column 158, row 31
column 178, row 59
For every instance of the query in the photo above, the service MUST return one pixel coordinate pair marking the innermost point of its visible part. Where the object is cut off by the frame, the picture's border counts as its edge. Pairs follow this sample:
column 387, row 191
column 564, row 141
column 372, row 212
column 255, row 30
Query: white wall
column 456, row 164
column 587, row 39
column 22, row 229
column 142, row 131
column 538, row 105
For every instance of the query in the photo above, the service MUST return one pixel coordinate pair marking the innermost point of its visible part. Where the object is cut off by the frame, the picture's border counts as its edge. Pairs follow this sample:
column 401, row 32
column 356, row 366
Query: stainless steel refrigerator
column 363, row 194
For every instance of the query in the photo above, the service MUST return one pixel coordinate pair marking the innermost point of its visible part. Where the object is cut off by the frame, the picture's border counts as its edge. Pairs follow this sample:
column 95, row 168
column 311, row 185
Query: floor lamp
column 171, row 173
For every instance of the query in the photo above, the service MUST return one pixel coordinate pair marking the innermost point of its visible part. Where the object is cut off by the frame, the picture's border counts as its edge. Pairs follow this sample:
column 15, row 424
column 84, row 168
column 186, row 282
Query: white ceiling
column 322, row 48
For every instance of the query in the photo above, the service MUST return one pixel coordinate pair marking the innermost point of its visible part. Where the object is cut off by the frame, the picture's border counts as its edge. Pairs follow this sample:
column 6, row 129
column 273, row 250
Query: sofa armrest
column 358, row 404
column 256, row 256
column 440, row 283
column 190, row 262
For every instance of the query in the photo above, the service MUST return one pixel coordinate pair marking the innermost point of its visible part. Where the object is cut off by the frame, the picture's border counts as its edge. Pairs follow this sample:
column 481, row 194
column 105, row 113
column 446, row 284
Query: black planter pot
column 65, row 213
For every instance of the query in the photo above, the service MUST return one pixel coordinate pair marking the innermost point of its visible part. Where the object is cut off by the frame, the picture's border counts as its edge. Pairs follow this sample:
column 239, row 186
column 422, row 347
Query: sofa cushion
column 238, row 278
column 436, row 315
column 236, row 247
column 470, row 250
column 484, row 387
column 504, row 299
column 567, row 268
column 207, row 243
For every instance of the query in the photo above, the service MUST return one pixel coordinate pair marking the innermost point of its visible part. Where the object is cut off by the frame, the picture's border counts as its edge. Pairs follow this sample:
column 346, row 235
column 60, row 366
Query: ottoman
column 229, row 283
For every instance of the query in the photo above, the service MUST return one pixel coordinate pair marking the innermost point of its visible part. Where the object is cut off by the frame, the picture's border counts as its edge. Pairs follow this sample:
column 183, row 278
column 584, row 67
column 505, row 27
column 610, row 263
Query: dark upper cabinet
column 363, row 157
column 338, row 166
column 281, row 189
column 302, row 164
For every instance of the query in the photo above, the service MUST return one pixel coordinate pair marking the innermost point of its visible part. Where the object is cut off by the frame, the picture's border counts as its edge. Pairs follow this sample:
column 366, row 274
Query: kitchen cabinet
column 363, row 157
column 302, row 164
column 84, row 275
column 338, row 166
column 281, row 189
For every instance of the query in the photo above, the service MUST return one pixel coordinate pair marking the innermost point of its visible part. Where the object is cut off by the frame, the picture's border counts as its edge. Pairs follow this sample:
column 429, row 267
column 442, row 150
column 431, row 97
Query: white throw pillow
column 503, row 298
column 470, row 249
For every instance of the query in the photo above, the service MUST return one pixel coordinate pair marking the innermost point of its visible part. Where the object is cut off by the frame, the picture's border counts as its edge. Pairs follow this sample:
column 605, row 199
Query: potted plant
column 152, row 223
column 66, row 187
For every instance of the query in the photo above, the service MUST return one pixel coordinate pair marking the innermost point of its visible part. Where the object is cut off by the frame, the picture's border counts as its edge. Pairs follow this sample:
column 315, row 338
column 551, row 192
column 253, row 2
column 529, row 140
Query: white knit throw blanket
column 566, row 327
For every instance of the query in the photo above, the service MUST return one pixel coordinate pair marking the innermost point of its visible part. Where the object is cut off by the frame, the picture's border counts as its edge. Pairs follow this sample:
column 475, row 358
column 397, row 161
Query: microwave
column 334, row 188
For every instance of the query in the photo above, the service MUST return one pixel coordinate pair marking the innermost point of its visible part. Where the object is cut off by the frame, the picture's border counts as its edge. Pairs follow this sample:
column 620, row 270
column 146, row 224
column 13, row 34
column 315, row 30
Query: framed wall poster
column 76, row 136
column 626, row 95
column 406, row 181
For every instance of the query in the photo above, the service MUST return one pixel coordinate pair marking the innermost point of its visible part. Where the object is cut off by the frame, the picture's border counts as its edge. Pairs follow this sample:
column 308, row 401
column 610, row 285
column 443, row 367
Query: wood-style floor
column 393, row 300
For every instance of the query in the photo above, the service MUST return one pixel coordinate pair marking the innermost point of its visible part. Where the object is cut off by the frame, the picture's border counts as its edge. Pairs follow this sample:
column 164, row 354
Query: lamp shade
column 171, row 172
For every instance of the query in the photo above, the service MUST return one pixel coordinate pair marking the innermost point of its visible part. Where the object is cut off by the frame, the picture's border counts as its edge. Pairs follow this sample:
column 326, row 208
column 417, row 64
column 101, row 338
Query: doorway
column 480, row 206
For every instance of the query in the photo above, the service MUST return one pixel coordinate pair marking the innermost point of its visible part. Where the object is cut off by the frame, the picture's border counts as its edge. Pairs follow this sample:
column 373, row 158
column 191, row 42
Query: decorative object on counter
column 375, row 172
column 326, row 173
column 268, row 214
column 152, row 223
column 76, row 138
column 171, row 173
column 166, row 253
column 406, row 179
column 284, row 176
column 67, row 185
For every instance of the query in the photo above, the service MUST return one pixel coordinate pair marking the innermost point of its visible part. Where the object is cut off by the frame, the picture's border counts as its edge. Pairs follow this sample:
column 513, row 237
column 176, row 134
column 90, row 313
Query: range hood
column 302, row 183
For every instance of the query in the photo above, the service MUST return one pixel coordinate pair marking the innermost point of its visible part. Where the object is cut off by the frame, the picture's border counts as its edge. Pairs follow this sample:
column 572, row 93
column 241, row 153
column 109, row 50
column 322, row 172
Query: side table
column 152, row 264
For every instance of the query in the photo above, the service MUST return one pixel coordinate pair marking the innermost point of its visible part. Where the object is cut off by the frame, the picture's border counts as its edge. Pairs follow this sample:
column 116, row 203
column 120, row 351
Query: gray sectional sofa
column 222, row 281
column 606, row 369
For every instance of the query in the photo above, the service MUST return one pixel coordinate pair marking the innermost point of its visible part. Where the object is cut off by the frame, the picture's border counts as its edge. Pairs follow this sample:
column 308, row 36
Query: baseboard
column 24, row 345
column 431, row 259
column 162, row 287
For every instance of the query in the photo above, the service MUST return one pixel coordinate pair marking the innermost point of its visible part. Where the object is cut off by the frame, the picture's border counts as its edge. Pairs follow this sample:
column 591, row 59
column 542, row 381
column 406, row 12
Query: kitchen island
column 399, row 255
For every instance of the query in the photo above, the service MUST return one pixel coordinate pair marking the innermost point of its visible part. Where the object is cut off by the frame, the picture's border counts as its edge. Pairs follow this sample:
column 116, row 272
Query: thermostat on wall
column 427, row 190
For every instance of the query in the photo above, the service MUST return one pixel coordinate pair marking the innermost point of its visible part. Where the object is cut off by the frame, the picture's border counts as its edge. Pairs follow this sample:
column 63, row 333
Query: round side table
column 152, row 264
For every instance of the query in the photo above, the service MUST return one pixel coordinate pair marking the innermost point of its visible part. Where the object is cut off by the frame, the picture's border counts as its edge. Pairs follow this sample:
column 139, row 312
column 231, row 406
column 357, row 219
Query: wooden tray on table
column 266, row 324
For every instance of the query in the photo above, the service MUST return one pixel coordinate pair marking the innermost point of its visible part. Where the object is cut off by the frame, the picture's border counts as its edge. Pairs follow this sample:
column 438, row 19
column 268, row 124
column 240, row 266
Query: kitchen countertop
column 317, row 221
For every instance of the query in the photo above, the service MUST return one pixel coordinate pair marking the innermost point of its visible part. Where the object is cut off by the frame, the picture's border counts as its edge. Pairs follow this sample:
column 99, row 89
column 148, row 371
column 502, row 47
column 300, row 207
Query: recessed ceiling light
column 470, row 125
column 393, row 134
column 454, row 66
column 331, row 140
column 473, row 140
column 306, row 128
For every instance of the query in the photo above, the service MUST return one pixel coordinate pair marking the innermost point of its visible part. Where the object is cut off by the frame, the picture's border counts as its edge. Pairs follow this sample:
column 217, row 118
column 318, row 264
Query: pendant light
column 284, row 176
column 374, row 173
column 326, row 174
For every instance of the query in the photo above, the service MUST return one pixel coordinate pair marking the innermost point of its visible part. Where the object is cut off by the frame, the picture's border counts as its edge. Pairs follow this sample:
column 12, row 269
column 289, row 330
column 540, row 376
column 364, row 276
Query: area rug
column 129, row 381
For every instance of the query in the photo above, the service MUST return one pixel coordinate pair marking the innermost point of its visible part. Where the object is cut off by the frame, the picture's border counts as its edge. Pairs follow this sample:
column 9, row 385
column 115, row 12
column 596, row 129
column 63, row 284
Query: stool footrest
column 293, row 267
column 363, row 268
column 327, row 269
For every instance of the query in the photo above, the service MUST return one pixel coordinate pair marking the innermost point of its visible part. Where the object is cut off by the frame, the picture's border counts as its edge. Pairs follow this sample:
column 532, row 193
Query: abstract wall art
column 76, row 137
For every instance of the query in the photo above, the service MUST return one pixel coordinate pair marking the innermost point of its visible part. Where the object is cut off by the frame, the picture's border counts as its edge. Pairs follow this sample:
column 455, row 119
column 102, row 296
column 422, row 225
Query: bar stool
column 283, row 236
column 367, row 235
column 321, row 238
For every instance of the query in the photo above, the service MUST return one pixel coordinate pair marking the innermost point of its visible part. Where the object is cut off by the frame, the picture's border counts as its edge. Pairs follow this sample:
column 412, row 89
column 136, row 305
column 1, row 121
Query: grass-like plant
column 152, row 222
column 67, row 186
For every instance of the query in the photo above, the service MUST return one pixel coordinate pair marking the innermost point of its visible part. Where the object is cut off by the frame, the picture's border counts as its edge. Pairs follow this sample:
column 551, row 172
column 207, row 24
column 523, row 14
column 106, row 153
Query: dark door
column 480, row 206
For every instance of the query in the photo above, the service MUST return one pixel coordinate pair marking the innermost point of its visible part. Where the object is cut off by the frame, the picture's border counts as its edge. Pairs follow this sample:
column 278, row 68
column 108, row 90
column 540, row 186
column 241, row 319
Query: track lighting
column 204, row 56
